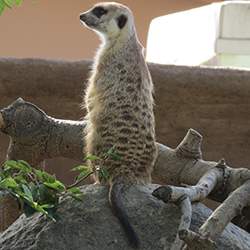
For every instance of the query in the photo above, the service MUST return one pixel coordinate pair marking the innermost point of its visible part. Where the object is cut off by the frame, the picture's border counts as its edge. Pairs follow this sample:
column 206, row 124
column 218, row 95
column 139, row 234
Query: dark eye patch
column 99, row 11
column 122, row 19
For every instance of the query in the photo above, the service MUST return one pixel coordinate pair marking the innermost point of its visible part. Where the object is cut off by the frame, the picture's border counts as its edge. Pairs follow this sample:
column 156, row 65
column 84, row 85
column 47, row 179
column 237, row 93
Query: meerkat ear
column 121, row 21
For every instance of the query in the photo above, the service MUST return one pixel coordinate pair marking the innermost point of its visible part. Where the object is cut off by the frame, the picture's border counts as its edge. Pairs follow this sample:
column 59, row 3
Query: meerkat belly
column 129, row 127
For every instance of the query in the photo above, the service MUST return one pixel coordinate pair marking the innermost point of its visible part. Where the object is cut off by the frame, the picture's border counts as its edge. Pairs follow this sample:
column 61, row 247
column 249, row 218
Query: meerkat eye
column 99, row 11
column 121, row 21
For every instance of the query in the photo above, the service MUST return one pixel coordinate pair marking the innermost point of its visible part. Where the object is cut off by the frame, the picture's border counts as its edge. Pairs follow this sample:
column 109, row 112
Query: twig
column 195, row 241
column 76, row 183
column 231, row 207
column 186, row 210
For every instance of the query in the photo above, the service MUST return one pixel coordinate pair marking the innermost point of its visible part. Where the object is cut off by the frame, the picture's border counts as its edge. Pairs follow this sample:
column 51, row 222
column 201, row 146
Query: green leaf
column 116, row 156
column 60, row 186
column 100, row 175
column 28, row 210
column 76, row 179
column 75, row 190
column 38, row 174
column 111, row 150
column 20, row 179
column 15, row 194
column 79, row 168
column 42, row 191
column 18, row 2
column 92, row 157
column 24, row 164
column 40, row 209
column 9, row 182
column 33, row 1
column 33, row 191
column 8, row 3
column 56, row 206
column 50, row 199
column 48, row 177
column 55, row 216
column 27, row 192
column 6, row 172
column 11, row 164
column 23, row 196
column 82, row 174
column 76, row 197
column 2, row 174
column 105, row 173
column 2, row 7
column 47, row 206
column 57, row 185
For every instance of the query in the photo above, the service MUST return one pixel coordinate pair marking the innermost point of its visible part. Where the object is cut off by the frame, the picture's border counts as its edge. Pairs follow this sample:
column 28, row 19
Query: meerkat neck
column 112, row 48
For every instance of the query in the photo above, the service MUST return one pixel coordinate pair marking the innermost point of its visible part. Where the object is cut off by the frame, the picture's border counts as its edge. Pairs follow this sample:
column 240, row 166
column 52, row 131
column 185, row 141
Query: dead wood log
column 36, row 137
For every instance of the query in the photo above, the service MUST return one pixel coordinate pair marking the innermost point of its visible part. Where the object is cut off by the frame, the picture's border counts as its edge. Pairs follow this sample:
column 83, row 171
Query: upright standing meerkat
column 119, row 105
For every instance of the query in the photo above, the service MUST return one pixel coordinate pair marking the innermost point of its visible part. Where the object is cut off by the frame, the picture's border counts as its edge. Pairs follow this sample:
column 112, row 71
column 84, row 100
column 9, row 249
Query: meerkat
column 119, row 104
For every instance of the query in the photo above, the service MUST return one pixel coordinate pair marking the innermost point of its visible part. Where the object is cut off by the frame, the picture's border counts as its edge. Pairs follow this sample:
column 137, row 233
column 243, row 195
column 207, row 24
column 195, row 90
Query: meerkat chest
column 120, row 85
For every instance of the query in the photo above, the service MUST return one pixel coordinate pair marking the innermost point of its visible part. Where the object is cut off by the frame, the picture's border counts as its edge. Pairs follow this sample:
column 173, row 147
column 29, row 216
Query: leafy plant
column 43, row 191
column 102, row 172
column 41, row 194
column 8, row 3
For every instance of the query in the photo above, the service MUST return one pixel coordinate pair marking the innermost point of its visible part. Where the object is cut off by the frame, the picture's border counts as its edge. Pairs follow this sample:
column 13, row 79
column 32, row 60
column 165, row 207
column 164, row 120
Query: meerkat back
column 119, row 105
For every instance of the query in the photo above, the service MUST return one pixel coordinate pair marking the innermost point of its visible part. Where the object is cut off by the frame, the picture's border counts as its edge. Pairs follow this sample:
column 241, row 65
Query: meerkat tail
column 116, row 187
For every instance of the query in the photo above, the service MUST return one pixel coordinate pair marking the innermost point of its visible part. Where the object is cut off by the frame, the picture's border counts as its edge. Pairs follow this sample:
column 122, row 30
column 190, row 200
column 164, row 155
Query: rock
column 91, row 225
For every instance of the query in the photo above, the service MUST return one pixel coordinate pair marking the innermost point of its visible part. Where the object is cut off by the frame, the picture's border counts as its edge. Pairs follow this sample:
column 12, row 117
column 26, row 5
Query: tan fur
column 119, row 99
column 120, row 105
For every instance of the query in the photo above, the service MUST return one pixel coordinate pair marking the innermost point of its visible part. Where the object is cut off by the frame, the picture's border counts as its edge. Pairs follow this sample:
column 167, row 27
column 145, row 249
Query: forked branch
column 219, row 181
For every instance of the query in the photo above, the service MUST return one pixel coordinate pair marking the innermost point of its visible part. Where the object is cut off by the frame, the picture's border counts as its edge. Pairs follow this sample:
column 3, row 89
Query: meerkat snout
column 85, row 19
column 82, row 17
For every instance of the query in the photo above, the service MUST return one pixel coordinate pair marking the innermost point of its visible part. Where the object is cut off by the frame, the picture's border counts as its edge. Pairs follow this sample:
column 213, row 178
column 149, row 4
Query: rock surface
column 92, row 226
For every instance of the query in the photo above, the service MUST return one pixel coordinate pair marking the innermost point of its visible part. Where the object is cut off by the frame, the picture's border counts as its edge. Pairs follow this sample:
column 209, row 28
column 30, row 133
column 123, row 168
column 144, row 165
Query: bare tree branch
column 36, row 136
column 222, row 181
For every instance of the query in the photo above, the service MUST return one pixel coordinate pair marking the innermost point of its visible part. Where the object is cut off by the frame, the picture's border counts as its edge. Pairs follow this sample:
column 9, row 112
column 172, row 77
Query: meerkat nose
column 82, row 17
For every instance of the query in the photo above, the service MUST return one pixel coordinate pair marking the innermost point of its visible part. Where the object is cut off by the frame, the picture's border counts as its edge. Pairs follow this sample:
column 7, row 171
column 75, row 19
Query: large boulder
column 92, row 225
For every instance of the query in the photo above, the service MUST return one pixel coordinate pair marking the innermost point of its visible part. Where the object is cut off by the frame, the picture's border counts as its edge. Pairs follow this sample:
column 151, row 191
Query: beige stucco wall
column 51, row 28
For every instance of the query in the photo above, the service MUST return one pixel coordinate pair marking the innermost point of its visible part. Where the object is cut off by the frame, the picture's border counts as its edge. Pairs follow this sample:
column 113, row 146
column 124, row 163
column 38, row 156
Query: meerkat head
column 111, row 20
